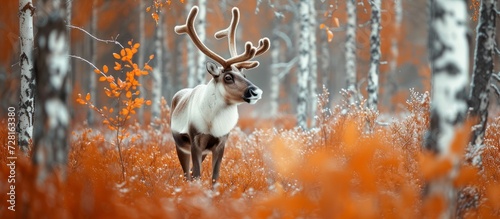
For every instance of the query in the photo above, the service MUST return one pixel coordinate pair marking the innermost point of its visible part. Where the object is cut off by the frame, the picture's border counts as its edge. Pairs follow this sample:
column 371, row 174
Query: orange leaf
column 148, row 9
column 151, row 56
column 102, row 78
column 322, row 26
column 155, row 17
column 111, row 110
column 97, row 71
column 105, row 68
column 116, row 56
column 330, row 35
column 336, row 21
column 122, row 52
column 148, row 102
column 87, row 97
column 137, row 45
column 129, row 94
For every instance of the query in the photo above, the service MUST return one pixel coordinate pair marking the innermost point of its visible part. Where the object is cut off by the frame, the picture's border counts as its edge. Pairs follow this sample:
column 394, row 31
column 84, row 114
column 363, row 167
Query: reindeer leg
column 199, row 143
column 217, row 155
column 185, row 160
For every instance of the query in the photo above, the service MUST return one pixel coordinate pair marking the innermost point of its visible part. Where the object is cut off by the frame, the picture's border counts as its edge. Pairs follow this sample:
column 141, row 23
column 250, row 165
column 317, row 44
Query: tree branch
column 496, row 76
column 90, row 63
column 496, row 90
column 98, row 39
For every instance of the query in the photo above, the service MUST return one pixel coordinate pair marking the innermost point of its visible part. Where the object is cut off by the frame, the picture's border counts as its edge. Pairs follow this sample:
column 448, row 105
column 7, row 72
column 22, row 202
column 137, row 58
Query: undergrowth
column 337, row 170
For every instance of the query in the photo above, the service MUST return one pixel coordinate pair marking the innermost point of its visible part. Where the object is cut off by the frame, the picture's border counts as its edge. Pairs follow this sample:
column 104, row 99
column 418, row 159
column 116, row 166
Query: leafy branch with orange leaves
column 125, row 93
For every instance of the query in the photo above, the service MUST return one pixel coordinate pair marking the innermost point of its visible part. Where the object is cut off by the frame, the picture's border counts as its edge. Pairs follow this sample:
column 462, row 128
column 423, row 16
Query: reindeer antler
column 188, row 28
column 230, row 31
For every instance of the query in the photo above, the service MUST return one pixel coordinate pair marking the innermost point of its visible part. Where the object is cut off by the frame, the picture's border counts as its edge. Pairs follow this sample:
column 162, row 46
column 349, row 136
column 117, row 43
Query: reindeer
column 202, row 117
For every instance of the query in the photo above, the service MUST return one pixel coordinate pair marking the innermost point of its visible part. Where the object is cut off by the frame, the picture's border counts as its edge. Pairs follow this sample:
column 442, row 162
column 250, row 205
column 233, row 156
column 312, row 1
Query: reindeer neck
column 219, row 117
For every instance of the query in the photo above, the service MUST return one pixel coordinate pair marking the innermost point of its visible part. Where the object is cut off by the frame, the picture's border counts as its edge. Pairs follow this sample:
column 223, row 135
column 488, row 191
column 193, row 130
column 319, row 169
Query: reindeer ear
column 213, row 69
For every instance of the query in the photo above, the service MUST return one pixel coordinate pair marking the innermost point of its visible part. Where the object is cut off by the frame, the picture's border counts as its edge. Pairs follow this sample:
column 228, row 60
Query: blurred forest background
column 273, row 19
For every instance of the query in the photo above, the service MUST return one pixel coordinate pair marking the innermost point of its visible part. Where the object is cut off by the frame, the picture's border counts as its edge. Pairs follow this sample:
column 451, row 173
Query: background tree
column 52, row 63
column 350, row 53
column 201, row 27
column 373, row 74
column 26, row 103
column 449, row 50
column 479, row 97
column 158, row 70
column 141, row 53
column 313, row 62
column 192, row 53
column 304, row 62
column 93, row 58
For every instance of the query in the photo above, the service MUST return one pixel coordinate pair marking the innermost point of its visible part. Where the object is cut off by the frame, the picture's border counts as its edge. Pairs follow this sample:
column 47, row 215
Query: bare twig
column 496, row 76
column 286, row 67
column 88, row 62
column 496, row 90
column 98, row 39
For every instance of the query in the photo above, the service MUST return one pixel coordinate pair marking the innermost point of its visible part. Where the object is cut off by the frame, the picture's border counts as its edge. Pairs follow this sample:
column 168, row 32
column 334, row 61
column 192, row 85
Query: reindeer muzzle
column 252, row 94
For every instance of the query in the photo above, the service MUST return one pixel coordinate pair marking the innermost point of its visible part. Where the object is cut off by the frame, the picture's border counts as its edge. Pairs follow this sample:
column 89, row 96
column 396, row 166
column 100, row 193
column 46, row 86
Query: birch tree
column 350, row 54
column 481, row 76
column 52, row 64
column 141, row 53
column 158, row 70
column 398, row 18
column 373, row 74
column 313, row 63
column 304, row 62
column 26, row 102
column 274, row 80
column 191, row 55
column 201, row 29
column 449, row 52
column 93, row 59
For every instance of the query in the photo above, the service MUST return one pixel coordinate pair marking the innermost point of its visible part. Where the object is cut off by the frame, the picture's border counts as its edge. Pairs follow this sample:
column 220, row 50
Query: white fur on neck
column 207, row 111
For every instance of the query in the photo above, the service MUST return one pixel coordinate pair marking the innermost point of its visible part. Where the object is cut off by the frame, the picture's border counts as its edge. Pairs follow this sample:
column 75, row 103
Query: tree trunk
column 52, row 64
column 373, row 74
column 167, row 63
column 191, row 55
column 201, row 29
column 93, row 59
column 393, row 64
column 304, row 63
column 158, row 70
column 481, row 77
column 274, row 80
column 313, row 79
column 449, row 51
column 26, row 102
column 350, row 54
column 141, row 53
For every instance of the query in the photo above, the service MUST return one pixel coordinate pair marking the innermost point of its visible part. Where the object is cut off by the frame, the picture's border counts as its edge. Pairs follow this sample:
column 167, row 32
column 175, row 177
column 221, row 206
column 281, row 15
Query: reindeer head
column 229, row 78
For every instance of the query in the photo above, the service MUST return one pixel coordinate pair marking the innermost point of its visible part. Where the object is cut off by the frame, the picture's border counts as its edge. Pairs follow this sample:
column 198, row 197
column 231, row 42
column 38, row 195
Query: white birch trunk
column 350, row 54
column 449, row 51
column 158, row 70
column 141, row 53
column 304, row 60
column 373, row 74
column 393, row 63
column 274, row 80
column 26, row 102
column 191, row 67
column 479, row 96
column 201, row 30
column 52, row 65
column 313, row 79
column 93, row 54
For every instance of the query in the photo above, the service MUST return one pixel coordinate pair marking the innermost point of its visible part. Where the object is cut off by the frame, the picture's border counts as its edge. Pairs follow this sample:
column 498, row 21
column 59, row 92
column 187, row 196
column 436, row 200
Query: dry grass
column 334, row 171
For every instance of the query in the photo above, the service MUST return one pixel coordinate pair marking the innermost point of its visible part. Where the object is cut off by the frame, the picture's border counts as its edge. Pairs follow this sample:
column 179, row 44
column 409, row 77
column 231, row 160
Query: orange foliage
column 334, row 171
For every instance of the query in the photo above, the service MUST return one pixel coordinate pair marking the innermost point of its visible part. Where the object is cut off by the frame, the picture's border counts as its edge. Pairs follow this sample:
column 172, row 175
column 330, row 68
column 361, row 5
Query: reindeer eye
column 228, row 78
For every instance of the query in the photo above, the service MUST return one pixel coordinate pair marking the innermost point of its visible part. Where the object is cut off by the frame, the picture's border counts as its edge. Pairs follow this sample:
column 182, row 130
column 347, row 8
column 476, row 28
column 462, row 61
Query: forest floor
column 349, row 166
